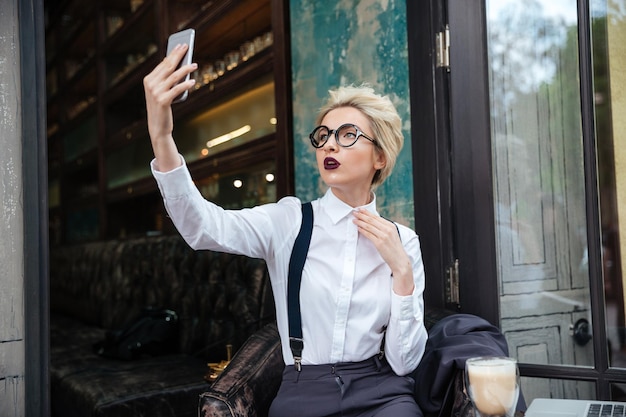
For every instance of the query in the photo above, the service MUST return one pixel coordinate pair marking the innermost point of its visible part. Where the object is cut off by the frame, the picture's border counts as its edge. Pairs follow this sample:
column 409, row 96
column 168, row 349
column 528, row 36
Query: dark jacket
column 451, row 341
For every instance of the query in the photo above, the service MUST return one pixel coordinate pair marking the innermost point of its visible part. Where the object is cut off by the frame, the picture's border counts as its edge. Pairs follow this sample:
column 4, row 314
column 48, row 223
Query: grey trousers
column 368, row 388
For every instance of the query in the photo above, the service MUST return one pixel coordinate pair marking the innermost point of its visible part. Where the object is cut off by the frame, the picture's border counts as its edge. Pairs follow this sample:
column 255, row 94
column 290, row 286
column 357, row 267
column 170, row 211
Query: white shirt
column 346, row 295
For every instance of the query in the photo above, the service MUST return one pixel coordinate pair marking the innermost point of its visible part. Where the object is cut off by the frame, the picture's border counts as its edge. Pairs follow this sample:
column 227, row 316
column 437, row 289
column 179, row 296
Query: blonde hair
column 384, row 120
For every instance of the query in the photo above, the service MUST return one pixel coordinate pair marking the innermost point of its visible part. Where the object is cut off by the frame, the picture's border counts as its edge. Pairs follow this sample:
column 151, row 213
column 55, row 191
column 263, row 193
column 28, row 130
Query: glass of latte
column 492, row 383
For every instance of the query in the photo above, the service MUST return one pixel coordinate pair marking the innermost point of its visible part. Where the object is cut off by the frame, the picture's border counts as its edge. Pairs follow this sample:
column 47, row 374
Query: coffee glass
column 492, row 384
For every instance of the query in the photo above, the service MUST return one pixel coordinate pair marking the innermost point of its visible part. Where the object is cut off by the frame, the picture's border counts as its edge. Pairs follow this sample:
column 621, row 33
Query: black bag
column 153, row 333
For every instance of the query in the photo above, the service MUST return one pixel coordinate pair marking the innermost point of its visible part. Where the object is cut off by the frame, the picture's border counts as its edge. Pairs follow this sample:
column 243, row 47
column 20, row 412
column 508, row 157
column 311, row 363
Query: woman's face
column 349, row 171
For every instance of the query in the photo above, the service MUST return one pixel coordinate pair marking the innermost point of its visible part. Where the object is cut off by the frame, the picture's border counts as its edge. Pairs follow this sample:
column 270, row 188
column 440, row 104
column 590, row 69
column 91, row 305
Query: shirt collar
column 337, row 209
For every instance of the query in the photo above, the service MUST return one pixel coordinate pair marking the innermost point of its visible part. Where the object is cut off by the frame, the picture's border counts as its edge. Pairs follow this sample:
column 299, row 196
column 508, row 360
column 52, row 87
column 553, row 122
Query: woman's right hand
column 161, row 87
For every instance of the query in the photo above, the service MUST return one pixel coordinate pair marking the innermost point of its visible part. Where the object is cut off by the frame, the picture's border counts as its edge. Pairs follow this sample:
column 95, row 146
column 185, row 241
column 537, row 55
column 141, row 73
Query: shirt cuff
column 402, row 306
column 175, row 183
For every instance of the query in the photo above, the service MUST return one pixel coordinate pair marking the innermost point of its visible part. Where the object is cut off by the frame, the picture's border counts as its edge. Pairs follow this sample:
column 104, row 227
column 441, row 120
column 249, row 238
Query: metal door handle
column 581, row 332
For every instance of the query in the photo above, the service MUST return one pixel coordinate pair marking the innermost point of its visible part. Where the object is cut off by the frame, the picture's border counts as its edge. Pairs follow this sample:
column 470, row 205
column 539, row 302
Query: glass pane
column 247, row 116
column 239, row 119
column 82, row 225
column 618, row 392
column 556, row 388
column 245, row 188
column 82, row 139
column 129, row 163
column 609, row 40
column 539, row 182
column 54, row 193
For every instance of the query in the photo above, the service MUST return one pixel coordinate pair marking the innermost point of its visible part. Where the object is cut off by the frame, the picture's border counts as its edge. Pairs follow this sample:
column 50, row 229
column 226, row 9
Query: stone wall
column 12, row 347
column 347, row 42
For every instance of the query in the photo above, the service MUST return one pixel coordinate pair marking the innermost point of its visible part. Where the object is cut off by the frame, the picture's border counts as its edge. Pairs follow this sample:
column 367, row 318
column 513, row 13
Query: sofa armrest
column 250, row 382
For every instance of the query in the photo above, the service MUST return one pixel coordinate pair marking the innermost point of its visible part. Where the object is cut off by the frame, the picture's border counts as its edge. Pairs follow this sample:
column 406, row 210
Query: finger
column 367, row 226
column 178, row 89
column 373, row 223
column 167, row 66
column 363, row 215
column 379, row 236
column 180, row 74
column 171, row 61
column 163, row 91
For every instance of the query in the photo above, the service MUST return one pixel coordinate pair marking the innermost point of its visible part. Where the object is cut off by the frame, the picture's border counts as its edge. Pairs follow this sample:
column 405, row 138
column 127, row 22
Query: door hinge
column 443, row 48
column 452, row 283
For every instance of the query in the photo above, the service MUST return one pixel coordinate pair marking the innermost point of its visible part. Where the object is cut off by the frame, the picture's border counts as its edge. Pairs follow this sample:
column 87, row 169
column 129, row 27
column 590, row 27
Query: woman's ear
column 380, row 160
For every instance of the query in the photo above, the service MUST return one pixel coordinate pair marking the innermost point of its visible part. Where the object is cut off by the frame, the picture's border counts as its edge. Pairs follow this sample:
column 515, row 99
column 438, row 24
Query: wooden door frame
column 472, row 181
column 445, row 175
column 35, row 186
column 430, row 147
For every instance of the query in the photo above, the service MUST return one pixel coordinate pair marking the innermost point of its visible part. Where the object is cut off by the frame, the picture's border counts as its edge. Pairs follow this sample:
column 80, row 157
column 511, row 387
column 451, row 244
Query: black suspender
column 296, row 263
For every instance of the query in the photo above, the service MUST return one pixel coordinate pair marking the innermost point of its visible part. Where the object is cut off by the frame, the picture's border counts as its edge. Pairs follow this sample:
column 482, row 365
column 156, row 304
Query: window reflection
column 609, row 37
column 239, row 119
column 618, row 392
column 557, row 388
column 243, row 188
column 539, row 199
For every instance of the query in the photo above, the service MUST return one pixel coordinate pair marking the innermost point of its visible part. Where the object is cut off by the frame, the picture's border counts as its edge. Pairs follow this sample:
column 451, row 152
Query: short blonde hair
column 384, row 120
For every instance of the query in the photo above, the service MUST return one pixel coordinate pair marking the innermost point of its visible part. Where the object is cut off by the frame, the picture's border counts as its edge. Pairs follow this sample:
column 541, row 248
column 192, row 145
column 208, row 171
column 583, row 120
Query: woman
column 363, row 279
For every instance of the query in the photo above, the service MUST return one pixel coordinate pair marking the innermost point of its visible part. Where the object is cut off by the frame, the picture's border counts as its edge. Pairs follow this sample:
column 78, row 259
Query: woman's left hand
column 384, row 235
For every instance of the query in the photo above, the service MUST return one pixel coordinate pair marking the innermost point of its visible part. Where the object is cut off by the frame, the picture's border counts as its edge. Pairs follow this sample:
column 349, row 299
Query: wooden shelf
column 97, row 55
column 245, row 73
column 136, row 27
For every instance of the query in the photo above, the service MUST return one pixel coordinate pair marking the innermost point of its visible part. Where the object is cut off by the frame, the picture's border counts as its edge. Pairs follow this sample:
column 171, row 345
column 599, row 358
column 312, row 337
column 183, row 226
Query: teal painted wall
column 346, row 42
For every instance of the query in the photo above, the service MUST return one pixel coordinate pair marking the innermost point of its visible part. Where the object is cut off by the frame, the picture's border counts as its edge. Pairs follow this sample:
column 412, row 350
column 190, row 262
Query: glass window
column 609, row 80
column 247, row 116
column 243, row 188
column 129, row 163
column 539, row 183
column 618, row 392
column 539, row 180
column 556, row 388
column 80, row 140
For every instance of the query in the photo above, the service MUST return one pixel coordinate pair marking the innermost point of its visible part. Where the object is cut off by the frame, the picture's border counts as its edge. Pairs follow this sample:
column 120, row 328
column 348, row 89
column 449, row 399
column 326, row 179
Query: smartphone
column 186, row 36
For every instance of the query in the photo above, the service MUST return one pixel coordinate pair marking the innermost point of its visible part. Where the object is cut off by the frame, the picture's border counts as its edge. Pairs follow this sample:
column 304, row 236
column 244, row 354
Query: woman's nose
column 331, row 144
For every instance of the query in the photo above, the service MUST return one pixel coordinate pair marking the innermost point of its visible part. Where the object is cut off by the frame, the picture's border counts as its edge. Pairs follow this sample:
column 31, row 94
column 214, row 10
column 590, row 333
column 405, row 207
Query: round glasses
column 346, row 135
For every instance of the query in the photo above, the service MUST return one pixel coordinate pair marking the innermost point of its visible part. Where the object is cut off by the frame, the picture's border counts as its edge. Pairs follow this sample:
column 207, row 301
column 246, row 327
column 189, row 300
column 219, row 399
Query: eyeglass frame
column 359, row 133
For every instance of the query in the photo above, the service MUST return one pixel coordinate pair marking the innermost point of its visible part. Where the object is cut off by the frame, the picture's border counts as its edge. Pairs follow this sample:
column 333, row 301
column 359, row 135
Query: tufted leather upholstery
column 99, row 286
column 248, row 387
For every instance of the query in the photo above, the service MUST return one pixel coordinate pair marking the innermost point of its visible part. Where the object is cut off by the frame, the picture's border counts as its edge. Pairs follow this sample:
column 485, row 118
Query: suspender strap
column 296, row 263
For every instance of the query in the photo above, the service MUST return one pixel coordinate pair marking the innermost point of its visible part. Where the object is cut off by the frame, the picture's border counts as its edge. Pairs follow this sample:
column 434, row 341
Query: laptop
column 550, row 407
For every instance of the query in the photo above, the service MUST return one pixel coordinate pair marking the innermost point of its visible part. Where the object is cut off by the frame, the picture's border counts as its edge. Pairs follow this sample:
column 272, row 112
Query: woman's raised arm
column 161, row 87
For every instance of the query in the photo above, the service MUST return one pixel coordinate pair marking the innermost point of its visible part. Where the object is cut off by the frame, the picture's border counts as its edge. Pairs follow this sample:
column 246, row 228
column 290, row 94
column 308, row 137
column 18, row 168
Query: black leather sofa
column 220, row 299
column 98, row 287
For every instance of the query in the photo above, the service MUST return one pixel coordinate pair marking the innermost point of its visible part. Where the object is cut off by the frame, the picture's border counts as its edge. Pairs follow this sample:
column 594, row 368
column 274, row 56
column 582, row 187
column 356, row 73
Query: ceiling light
column 229, row 136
